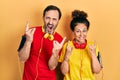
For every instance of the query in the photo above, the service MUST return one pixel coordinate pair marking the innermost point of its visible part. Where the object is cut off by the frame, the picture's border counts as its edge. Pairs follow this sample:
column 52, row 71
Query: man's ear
column 43, row 17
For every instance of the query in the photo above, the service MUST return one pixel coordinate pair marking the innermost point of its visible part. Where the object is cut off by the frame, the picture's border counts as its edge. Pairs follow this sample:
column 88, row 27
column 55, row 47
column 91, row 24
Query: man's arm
column 24, row 52
column 53, row 61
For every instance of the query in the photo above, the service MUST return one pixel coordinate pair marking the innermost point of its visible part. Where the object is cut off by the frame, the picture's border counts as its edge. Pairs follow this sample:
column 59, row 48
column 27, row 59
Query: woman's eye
column 77, row 31
column 84, row 30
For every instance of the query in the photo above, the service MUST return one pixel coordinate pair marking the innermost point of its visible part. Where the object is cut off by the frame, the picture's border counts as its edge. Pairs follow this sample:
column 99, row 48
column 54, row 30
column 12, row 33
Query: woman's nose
column 81, row 33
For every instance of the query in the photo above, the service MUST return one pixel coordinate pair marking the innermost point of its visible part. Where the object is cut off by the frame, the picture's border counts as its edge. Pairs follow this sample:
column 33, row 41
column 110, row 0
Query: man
column 40, row 47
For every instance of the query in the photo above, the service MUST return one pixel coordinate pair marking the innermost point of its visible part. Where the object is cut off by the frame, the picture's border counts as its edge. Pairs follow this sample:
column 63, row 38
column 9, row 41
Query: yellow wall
column 104, row 16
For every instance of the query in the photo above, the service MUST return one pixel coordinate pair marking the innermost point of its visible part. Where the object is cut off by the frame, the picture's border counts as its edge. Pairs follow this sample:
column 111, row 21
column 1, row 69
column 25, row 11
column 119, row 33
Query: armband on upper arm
column 22, row 43
column 99, row 59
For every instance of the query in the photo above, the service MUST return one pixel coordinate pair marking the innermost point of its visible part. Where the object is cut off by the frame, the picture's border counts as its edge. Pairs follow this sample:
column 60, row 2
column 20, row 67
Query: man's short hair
column 52, row 7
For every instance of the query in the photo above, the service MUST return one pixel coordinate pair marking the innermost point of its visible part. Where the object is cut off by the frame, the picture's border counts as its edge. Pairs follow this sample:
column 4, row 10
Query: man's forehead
column 52, row 13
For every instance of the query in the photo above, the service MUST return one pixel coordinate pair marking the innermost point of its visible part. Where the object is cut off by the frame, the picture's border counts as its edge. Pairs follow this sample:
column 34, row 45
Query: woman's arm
column 96, row 67
column 65, row 64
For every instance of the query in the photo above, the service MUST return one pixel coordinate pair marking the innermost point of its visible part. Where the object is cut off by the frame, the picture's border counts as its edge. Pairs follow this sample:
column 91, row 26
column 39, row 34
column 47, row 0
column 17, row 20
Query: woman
column 80, row 58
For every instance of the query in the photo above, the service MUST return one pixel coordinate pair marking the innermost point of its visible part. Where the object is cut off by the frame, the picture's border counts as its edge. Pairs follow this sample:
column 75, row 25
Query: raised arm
column 96, row 67
column 65, row 62
column 53, row 61
column 25, row 50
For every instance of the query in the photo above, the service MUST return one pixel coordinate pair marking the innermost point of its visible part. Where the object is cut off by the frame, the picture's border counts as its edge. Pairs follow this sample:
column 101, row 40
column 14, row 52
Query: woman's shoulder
column 91, row 42
column 69, row 42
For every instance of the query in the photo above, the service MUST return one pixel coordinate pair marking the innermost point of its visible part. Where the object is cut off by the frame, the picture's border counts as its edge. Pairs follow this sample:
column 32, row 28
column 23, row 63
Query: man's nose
column 50, row 21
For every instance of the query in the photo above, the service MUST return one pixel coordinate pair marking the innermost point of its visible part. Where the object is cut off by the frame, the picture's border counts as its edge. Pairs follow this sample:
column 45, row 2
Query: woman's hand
column 96, row 67
column 92, row 49
column 68, row 51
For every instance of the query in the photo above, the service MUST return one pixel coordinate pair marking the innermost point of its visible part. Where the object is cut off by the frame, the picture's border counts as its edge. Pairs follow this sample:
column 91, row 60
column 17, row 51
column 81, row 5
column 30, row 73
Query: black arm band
column 99, row 59
column 22, row 43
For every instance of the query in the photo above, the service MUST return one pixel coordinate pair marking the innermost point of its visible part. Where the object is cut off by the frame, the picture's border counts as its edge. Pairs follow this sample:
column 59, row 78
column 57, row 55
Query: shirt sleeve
column 62, row 53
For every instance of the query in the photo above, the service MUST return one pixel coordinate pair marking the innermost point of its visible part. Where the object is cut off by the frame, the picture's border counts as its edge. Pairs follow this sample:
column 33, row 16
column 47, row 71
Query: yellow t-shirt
column 79, row 63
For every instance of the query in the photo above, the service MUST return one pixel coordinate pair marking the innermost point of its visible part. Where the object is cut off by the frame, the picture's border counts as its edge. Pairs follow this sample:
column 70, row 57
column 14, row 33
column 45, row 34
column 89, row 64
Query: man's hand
column 57, row 46
column 29, row 33
column 53, row 61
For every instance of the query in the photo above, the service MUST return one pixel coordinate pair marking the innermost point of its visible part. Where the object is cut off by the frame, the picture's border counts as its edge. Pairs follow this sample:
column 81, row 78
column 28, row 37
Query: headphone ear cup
column 46, row 35
column 51, row 37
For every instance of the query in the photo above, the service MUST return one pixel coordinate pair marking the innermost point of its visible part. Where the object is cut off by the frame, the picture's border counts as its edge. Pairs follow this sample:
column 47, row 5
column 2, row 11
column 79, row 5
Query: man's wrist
column 56, row 55
column 28, row 41
column 55, row 51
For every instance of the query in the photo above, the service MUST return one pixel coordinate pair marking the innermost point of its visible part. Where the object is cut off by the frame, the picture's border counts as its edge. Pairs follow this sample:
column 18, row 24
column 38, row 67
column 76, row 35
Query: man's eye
column 54, row 19
column 47, row 18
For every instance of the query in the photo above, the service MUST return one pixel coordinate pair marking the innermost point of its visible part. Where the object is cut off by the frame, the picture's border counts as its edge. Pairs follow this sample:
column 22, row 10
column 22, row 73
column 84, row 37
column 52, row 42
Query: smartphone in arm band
column 22, row 42
column 99, row 59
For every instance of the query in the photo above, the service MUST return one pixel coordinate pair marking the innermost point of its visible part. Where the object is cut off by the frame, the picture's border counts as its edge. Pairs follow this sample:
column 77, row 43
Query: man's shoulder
column 58, row 37
column 57, row 34
column 37, row 27
column 38, row 30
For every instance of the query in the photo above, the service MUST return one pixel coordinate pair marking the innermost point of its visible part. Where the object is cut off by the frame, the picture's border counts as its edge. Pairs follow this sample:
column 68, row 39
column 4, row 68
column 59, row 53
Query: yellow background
column 104, row 16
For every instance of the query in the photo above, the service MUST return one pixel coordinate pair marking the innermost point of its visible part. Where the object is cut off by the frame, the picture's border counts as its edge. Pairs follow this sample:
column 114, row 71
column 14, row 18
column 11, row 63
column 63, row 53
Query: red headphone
column 79, row 46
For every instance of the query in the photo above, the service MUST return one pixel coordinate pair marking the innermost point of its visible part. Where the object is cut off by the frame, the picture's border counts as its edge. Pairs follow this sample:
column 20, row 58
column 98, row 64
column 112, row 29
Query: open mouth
column 50, row 28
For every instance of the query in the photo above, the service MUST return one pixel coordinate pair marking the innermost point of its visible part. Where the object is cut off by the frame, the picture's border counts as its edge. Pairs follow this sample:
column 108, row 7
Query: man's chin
column 50, row 32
